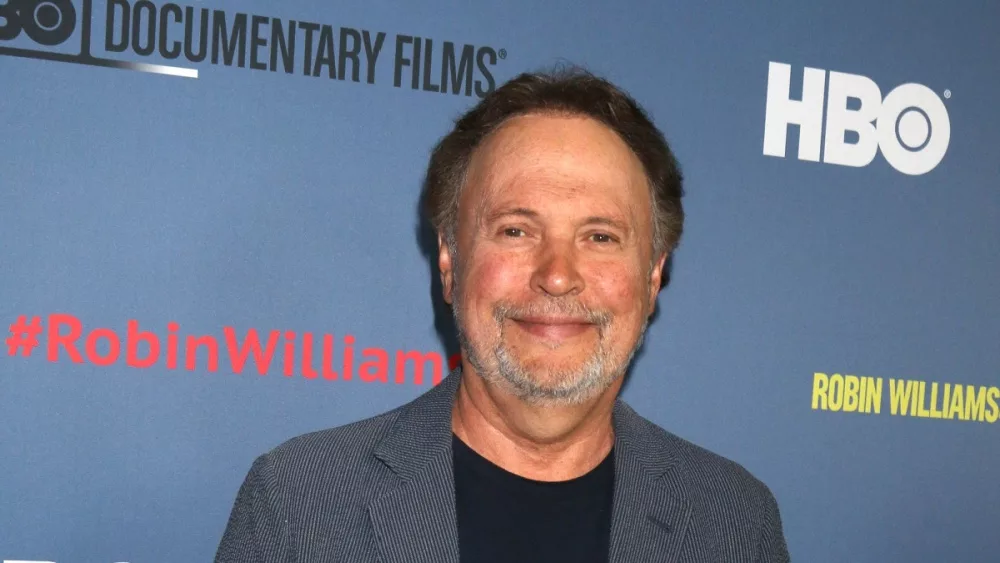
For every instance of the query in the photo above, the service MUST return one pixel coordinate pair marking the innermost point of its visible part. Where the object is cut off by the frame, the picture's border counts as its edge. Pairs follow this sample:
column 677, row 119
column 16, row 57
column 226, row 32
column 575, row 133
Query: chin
column 551, row 374
column 551, row 371
column 572, row 391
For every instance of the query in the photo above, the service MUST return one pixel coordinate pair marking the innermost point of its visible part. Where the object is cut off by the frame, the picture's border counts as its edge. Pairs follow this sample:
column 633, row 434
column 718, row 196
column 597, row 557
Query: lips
column 553, row 328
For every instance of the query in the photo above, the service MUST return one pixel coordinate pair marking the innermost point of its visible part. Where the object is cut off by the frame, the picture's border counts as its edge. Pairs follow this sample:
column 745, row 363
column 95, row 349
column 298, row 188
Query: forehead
column 566, row 156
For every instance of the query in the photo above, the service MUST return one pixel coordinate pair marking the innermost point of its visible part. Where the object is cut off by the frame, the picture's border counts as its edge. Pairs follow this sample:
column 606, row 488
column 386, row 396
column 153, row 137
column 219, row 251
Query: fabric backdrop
column 210, row 243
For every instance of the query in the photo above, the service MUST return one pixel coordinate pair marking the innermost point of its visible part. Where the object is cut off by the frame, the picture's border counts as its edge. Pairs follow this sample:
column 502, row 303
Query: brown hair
column 570, row 91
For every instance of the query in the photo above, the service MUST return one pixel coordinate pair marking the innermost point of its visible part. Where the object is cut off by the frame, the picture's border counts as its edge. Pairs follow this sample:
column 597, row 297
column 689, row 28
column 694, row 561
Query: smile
column 553, row 328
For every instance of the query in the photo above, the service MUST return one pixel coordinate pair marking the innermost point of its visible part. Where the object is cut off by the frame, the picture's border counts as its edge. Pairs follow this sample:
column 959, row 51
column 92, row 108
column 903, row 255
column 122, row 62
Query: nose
column 557, row 271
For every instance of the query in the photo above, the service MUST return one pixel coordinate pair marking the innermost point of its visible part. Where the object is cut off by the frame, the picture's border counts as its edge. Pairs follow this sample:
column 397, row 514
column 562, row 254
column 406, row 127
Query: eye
column 602, row 238
column 513, row 232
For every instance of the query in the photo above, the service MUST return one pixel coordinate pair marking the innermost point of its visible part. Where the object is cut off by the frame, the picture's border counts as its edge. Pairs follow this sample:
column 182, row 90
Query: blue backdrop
column 206, row 192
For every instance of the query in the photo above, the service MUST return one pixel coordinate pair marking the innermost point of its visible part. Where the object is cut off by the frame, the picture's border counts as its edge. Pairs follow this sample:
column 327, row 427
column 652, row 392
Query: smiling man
column 556, row 201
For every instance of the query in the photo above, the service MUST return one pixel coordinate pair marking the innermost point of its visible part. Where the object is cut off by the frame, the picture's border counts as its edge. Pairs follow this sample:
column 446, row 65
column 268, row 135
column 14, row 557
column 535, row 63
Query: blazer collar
column 651, row 510
column 422, row 432
column 415, row 521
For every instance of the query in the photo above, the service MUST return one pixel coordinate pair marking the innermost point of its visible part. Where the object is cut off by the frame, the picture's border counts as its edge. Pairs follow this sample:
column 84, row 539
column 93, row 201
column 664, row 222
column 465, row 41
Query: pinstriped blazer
column 382, row 489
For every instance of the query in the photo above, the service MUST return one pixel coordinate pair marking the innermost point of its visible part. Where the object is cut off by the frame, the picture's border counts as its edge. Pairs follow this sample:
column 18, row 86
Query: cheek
column 491, row 277
column 620, row 289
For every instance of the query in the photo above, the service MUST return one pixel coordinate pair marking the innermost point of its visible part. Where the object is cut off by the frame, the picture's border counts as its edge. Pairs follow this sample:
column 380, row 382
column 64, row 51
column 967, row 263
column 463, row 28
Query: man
column 556, row 202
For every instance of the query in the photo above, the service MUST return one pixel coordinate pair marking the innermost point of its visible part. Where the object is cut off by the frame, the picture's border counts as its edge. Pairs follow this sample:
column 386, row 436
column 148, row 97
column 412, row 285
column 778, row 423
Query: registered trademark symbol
column 947, row 93
column 503, row 53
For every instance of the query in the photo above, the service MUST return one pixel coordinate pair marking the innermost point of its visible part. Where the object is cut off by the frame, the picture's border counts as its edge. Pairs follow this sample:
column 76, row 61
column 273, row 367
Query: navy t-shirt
column 506, row 518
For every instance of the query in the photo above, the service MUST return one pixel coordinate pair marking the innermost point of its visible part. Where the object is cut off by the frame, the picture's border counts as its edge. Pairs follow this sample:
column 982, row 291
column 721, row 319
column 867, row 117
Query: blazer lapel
column 651, row 511
column 415, row 521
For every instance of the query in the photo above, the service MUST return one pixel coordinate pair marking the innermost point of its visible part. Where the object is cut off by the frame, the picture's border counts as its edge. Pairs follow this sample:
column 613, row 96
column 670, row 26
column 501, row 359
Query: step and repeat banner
column 210, row 243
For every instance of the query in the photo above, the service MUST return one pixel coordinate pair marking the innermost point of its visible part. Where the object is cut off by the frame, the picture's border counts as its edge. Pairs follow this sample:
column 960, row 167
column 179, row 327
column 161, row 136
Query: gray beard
column 497, row 365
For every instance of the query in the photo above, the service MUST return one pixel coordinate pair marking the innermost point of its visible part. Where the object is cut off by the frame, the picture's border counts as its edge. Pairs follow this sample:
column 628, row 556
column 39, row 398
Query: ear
column 655, row 279
column 446, row 265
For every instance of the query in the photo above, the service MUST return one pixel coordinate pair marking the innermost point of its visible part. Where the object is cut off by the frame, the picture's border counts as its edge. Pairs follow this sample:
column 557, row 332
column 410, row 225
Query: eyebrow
column 516, row 211
column 614, row 223
column 530, row 214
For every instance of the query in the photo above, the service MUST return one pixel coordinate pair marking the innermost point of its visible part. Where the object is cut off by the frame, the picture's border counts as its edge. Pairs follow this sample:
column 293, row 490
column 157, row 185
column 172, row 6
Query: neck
column 540, row 442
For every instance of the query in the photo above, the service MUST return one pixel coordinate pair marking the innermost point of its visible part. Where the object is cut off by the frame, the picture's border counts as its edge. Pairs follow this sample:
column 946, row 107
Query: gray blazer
column 382, row 489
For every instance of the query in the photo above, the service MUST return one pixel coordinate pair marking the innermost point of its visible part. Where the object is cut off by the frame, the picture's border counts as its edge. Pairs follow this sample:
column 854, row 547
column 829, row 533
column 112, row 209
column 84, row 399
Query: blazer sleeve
column 772, row 547
column 257, row 531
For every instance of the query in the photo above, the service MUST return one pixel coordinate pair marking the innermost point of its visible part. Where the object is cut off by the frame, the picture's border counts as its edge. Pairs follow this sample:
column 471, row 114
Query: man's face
column 553, row 281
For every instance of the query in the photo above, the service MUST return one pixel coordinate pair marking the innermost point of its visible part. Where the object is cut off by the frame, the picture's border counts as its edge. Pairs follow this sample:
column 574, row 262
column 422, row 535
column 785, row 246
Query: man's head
column 556, row 202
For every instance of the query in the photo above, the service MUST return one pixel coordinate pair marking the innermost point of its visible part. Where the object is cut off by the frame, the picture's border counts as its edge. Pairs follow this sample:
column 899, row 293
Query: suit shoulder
column 348, row 444
column 714, row 475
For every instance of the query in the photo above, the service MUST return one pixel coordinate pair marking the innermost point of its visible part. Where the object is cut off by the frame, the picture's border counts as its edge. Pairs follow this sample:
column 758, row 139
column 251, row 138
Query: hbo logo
column 910, row 125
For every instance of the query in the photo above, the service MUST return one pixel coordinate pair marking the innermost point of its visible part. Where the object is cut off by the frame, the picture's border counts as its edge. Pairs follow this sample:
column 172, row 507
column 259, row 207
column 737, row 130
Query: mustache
column 555, row 308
